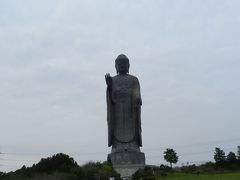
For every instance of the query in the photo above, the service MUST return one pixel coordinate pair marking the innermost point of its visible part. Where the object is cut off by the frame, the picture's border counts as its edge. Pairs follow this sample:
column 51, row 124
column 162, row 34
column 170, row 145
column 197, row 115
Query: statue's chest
column 122, row 89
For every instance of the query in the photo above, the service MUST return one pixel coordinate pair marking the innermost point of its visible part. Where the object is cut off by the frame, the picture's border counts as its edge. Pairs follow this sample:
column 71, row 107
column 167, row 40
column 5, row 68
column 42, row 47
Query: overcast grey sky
column 54, row 55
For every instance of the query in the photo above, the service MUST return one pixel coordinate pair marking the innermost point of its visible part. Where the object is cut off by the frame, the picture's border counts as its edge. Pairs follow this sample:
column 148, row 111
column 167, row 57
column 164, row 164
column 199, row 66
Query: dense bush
column 97, row 170
column 150, row 172
column 145, row 174
column 165, row 169
column 189, row 169
column 2, row 174
column 59, row 162
column 208, row 167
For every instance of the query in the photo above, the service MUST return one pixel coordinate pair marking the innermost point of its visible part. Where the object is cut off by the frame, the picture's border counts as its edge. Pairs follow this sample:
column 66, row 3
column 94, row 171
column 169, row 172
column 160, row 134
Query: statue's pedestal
column 126, row 171
column 127, row 163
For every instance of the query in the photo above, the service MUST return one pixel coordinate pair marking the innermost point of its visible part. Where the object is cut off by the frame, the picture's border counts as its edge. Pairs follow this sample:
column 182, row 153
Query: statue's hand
column 108, row 79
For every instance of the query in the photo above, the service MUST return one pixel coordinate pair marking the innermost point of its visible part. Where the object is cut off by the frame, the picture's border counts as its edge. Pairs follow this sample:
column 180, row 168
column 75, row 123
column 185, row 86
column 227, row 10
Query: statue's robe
column 124, row 110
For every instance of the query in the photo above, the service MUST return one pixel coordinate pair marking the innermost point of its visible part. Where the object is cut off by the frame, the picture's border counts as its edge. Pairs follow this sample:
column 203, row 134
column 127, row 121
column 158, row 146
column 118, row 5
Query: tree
column 170, row 156
column 219, row 156
column 231, row 157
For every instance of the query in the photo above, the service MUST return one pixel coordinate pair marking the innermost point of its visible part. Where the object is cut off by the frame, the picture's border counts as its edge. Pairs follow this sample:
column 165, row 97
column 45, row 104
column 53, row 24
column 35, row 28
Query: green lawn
column 225, row 176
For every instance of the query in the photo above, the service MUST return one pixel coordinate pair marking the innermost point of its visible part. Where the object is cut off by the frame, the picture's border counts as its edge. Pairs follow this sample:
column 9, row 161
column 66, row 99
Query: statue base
column 127, row 163
column 126, row 171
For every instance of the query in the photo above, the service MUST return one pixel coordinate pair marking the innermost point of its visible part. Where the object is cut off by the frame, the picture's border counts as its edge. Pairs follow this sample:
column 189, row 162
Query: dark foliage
column 229, row 162
column 97, row 170
column 150, row 172
column 208, row 167
column 231, row 157
column 61, row 166
column 145, row 174
column 219, row 157
column 164, row 170
column 25, row 171
column 2, row 174
column 59, row 162
column 238, row 153
column 190, row 169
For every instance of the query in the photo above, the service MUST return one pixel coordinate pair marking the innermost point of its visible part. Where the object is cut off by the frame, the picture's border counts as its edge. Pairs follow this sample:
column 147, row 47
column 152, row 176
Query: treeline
column 151, row 172
column 230, row 161
column 62, row 167
column 223, row 163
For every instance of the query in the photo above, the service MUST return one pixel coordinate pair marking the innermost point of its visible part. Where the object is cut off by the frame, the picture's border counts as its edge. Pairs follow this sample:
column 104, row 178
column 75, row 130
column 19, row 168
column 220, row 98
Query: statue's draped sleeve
column 137, row 104
column 110, row 114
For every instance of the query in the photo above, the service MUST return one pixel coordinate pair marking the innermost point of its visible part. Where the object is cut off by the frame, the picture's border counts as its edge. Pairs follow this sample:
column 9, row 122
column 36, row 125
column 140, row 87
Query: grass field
column 225, row 176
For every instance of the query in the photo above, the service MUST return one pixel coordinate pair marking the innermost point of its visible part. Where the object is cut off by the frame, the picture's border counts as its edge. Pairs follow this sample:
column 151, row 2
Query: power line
column 25, row 154
column 180, row 155
column 8, row 165
column 194, row 144
column 148, row 157
column 94, row 153
column 105, row 152
column 3, row 159
column 89, row 153
column 145, row 149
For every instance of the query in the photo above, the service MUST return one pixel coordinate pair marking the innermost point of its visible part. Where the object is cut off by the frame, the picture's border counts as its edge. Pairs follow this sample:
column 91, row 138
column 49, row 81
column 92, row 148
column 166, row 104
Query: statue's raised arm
column 108, row 80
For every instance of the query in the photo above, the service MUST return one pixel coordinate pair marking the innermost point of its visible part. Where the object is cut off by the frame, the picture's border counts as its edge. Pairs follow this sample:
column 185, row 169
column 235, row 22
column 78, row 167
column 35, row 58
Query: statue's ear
column 116, row 68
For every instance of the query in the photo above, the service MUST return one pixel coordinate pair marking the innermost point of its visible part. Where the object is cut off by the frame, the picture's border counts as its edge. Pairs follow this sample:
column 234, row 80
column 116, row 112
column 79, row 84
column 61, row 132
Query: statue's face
column 122, row 66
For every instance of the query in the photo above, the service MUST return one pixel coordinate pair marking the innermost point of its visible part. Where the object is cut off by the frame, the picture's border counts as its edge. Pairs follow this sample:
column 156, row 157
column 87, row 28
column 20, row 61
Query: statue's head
column 122, row 64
